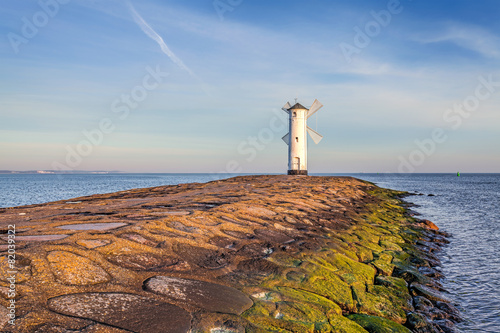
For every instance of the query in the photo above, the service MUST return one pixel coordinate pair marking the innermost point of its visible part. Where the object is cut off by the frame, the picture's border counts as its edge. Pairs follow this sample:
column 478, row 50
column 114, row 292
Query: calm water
column 24, row 189
column 466, row 206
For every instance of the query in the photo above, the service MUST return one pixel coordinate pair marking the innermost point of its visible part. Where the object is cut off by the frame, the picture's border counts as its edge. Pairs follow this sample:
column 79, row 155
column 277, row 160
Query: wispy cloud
column 146, row 28
column 467, row 36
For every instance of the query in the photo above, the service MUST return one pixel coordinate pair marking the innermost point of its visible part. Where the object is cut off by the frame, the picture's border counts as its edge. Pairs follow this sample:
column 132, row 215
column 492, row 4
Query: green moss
column 270, row 324
column 383, row 264
column 367, row 235
column 375, row 324
column 364, row 254
column 390, row 245
column 343, row 325
column 302, row 312
column 308, row 297
column 326, row 283
column 379, row 301
column 349, row 270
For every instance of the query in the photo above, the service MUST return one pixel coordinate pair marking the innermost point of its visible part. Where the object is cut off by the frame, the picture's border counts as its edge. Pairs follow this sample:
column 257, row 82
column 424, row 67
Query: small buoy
column 458, row 174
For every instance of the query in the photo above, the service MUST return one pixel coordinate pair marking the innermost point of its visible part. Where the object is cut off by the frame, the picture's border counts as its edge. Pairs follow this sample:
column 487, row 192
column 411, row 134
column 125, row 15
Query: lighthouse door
column 296, row 163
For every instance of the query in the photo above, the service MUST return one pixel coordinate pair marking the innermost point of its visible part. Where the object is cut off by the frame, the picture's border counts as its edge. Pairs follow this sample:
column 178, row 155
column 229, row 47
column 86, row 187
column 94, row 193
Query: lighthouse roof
column 298, row 106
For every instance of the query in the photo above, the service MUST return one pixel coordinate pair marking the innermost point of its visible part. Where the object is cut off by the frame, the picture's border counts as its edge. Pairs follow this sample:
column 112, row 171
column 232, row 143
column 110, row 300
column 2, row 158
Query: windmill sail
column 286, row 107
column 315, row 136
column 315, row 107
column 286, row 138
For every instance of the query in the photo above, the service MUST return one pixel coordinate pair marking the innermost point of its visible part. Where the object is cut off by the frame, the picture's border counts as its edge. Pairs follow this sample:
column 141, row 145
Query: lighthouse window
column 296, row 139
column 295, row 114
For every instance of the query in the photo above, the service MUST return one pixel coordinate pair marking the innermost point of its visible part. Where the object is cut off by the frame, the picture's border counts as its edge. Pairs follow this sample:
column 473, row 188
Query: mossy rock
column 367, row 235
column 364, row 254
column 379, row 301
column 341, row 324
column 375, row 324
column 401, row 256
column 349, row 270
column 326, row 283
column 298, row 295
column 390, row 245
column 398, row 284
column 319, row 280
column 393, row 238
column 373, row 246
column 383, row 264
column 271, row 324
column 300, row 312
column 350, row 239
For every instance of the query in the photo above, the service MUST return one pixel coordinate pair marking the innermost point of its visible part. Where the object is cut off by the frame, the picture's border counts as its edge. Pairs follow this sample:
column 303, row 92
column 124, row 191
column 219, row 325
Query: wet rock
column 431, row 272
column 375, row 324
column 452, row 311
column 428, row 246
column 447, row 326
column 418, row 289
column 422, row 304
column 73, row 269
column 206, row 295
column 126, row 311
column 419, row 323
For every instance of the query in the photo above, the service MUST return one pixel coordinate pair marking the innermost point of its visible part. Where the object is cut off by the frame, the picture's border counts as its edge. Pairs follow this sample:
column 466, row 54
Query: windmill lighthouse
column 296, row 139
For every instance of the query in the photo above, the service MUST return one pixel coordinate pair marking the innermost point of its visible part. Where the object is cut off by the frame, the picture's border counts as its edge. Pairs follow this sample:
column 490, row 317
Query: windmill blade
column 286, row 107
column 286, row 138
column 314, row 107
column 315, row 136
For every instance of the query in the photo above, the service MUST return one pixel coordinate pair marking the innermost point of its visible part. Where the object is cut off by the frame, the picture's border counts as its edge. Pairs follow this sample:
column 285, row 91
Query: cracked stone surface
column 251, row 253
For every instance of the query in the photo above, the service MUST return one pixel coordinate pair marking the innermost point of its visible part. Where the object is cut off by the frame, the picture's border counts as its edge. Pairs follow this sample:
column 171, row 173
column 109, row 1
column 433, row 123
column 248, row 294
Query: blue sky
column 231, row 66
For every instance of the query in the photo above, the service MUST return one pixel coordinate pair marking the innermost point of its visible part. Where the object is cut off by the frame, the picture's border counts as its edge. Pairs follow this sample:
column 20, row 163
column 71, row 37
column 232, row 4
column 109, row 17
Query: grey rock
column 128, row 311
column 206, row 295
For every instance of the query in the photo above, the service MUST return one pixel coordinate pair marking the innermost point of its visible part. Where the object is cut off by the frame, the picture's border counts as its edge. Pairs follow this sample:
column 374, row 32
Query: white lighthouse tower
column 296, row 139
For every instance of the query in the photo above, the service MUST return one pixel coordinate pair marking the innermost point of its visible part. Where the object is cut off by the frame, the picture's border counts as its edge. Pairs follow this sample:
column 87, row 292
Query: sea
column 466, row 206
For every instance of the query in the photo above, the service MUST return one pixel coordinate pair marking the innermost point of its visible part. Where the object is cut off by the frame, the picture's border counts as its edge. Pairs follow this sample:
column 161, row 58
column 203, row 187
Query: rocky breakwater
column 246, row 254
